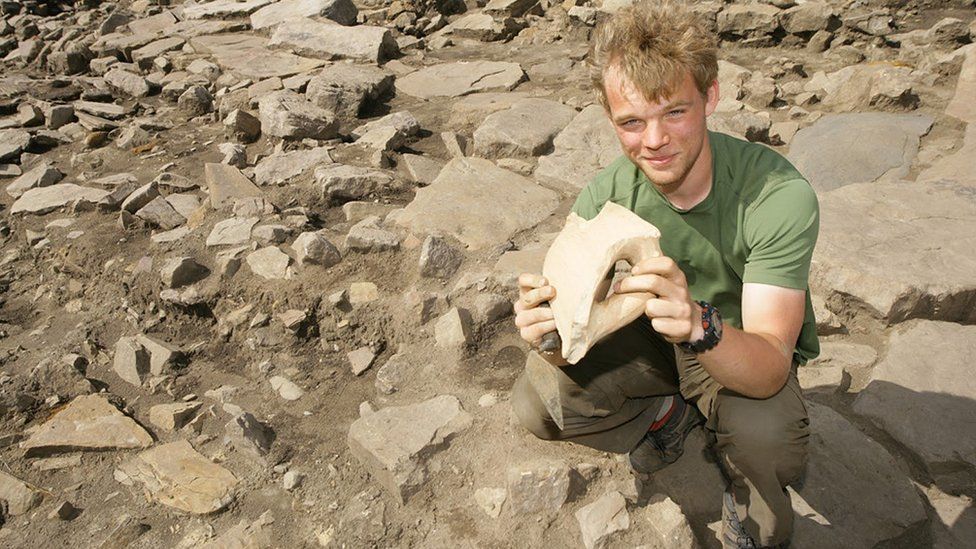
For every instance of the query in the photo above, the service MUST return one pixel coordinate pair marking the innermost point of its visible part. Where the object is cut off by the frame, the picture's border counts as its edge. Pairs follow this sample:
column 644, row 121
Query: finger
column 666, row 308
column 663, row 266
column 533, row 334
column 531, row 280
column 533, row 316
column 532, row 298
column 670, row 329
column 648, row 283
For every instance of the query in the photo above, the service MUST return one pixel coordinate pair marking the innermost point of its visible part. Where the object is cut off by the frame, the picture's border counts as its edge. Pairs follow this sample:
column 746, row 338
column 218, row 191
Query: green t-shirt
column 758, row 223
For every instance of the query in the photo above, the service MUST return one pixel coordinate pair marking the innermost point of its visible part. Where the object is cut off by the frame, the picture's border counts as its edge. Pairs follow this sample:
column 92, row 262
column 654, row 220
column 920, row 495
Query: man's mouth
column 661, row 160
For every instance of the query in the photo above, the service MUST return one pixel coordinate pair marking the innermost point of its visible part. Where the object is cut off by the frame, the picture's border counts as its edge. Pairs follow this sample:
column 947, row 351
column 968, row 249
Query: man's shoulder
column 743, row 159
column 619, row 179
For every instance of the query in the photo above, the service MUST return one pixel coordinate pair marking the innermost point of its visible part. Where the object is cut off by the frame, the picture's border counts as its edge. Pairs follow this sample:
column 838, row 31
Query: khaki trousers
column 612, row 396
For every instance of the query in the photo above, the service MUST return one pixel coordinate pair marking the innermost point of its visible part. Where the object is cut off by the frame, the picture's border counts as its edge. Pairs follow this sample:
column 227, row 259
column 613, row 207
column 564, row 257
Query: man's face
column 664, row 139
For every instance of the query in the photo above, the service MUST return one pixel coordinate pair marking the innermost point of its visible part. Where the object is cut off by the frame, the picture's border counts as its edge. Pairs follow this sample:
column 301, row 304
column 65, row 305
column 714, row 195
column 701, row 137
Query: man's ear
column 711, row 97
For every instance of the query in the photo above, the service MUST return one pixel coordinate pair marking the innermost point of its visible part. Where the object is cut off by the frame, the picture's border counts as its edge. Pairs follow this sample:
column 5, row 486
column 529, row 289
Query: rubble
column 89, row 422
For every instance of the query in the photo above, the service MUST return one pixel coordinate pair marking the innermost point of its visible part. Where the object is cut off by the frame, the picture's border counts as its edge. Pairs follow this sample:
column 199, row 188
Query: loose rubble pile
column 258, row 258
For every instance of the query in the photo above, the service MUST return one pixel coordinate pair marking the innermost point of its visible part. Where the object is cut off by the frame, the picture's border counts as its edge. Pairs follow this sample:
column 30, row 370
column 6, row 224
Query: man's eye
column 676, row 112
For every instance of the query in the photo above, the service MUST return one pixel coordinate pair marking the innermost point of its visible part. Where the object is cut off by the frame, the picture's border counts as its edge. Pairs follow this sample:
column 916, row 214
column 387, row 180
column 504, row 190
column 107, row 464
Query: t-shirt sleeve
column 586, row 205
column 781, row 232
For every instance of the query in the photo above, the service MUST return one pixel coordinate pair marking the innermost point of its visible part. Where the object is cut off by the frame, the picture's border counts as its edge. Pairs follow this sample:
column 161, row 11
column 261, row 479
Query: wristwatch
column 711, row 324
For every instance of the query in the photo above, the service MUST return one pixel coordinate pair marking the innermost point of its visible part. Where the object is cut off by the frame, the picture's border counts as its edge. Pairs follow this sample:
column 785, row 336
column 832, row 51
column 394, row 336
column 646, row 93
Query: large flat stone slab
column 333, row 41
column 463, row 202
column 957, row 166
column 178, row 476
column 586, row 146
column 833, row 152
column 223, row 8
column 247, row 55
column 923, row 392
column 341, row 11
column 19, row 497
column 47, row 199
column 525, row 129
column 461, row 78
column 89, row 422
column 902, row 249
column 396, row 443
column 226, row 184
column 961, row 105
column 280, row 167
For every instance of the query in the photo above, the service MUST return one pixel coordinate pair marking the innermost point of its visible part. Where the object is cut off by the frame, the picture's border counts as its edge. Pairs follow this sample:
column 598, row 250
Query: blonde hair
column 654, row 43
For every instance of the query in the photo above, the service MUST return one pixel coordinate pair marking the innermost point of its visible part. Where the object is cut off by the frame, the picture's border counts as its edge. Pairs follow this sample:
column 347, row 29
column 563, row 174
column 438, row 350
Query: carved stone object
column 577, row 265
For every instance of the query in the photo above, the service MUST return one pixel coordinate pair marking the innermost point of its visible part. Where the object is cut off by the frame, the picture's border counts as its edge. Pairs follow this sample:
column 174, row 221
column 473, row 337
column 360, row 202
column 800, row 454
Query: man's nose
column 655, row 136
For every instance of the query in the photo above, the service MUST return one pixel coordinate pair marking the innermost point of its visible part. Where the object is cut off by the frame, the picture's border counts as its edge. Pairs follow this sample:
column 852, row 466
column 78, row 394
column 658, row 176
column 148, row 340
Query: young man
column 732, row 318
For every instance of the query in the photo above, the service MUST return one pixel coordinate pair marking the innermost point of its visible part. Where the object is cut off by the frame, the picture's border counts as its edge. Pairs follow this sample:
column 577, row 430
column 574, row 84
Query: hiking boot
column 734, row 536
column 665, row 445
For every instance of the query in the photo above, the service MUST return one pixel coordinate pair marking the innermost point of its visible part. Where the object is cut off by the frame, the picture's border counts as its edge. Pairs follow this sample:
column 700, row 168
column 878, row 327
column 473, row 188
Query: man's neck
column 696, row 185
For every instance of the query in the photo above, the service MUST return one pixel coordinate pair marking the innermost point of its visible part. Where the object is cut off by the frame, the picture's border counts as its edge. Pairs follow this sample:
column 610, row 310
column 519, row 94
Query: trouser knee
column 530, row 411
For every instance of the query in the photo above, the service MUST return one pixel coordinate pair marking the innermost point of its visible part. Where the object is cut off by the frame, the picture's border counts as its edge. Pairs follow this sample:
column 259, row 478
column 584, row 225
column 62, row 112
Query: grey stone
column 224, row 8
column 396, row 443
column 160, row 213
column 41, row 175
column 343, row 12
column 110, row 111
column 487, row 308
column 402, row 121
column 287, row 114
column 391, row 375
column 484, row 27
column 266, row 235
column 668, row 523
column 12, row 143
column 361, row 293
column 285, row 388
column 249, row 435
column 247, row 55
column 880, row 86
column 339, row 181
column 452, row 331
column 312, row 248
column 438, row 259
column 748, row 20
column 226, row 184
column 46, row 199
column 234, row 154
column 282, row 167
column 127, row 82
column 292, row 480
column 171, row 417
column 909, row 406
column 808, row 18
column 420, row 169
column 181, row 271
column 491, row 500
column 538, row 487
column 196, row 101
column 833, row 152
column 64, row 511
column 178, row 476
column 599, row 520
column 961, row 105
column 333, row 41
column 876, row 247
column 587, row 145
column 956, row 166
column 526, row 129
column 89, row 422
column 360, row 360
column 345, row 89
column 184, row 204
column 243, row 126
column 145, row 55
column 511, row 8
column 461, row 78
column 367, row 236
column 269, row 262
column 18, row 496
column 232, row 232
column 462, row 203
column 140, row 197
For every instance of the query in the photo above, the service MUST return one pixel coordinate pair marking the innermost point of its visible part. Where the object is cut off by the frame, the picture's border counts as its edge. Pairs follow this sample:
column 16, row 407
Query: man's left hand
column 673, row 313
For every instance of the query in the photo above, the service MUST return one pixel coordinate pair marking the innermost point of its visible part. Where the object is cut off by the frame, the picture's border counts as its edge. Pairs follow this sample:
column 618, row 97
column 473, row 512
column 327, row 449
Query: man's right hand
column 532, row 320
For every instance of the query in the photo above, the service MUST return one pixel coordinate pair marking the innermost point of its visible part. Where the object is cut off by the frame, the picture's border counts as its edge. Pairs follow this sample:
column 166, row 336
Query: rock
column 747, row 20
column 943, row 396
column 876, row 247
column 341, row 11
column 12, row 143
column 420, row 169
column 403, row 122
column 782, row 133
column 881, row 86
column 472, row 185
column 42, row 175
column 64, row 511
column 960, row 106
column 391, row 374
column 255, row 535
column 668, row 523
column 292, row 480
column 160, row 213
column 820, row 379
column 223, row 8
column 267, row 235
column 312, row 248
column 488, row 308
column 526, row 129
column 285, row 388
column 46, row 199
column 181, row 271
column 171, row 417
column 125, row 533
column 243, row 126
column 367, row 236
column 332, row 41
column 510, row 8
column 140, row 197
column 281, row 167
column 602, row 518
column 269, row 262
column 587, row 145
column 89, row 422
column 395, row 443
column 955, row 166
column 17, row 495
column 339, row 181
column 362, row 292
column 232, row 232
column 126, row 82
column 484, row 27
column 196, row 101
column 249, row 435
column 345, row 89
column 438, row 259
column 184, row 204
column 287, row 114
column 461, row 78
column 361, row 359
column 247, row 55
column 537, row 487
column 227, row 183
column 178, row 476
column 131, row 361
column 808, row 18
column 829, row 156
column 490, row 500
column 453, row 330
column 234, row 155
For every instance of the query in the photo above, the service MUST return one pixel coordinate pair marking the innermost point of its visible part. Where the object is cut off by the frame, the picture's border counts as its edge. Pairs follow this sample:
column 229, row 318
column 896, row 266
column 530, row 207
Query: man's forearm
column 753, row 365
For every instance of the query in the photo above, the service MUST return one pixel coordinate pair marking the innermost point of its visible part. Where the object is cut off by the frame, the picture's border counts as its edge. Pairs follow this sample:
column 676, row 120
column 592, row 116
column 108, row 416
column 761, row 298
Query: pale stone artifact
column 577, row 265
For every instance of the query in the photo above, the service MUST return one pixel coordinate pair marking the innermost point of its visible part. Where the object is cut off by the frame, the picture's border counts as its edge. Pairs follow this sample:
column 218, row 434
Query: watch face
column 715, row 320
